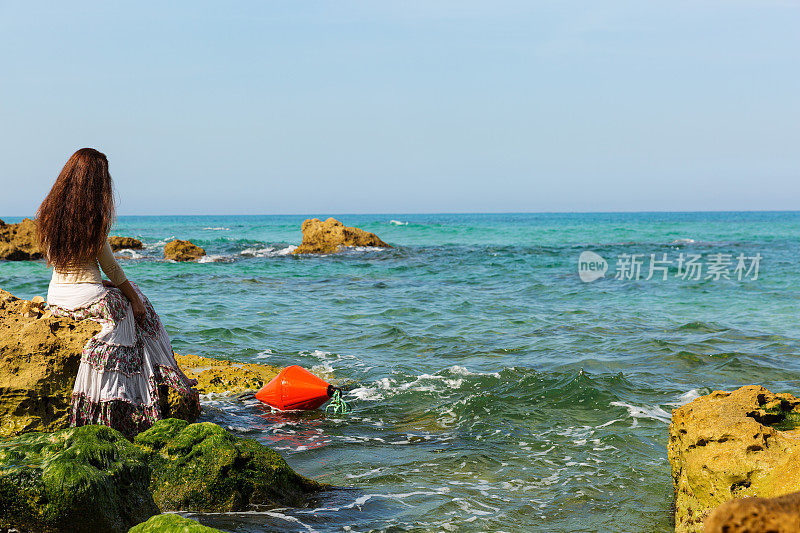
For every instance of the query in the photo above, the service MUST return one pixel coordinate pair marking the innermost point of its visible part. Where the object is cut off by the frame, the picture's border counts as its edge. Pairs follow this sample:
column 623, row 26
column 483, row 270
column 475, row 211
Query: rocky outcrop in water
column 18, row 242
column 202, row 467
column 731, row 445
column 83, row 479
column 756, row 515
column 330, row 236
column 179, row 250
column 39, row 358
column 124, row 243
column 220, row 376
column 171, row 523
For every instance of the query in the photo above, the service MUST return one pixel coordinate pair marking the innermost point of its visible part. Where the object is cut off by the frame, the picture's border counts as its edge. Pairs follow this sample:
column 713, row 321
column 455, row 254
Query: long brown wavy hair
column 75, row 218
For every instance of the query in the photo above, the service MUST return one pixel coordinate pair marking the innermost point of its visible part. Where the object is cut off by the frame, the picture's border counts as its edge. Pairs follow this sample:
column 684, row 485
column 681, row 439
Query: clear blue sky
column 382, row 106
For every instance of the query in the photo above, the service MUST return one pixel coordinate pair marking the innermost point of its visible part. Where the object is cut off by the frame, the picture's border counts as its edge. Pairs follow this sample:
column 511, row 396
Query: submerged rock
column 39, row 359
column 18, row 242
column 731, row 445
column 202, row 467
column 172, row 523
column 330, row 236
column 219, row 376
column 79, row 479
column 179, row 250
column 125, row 243
column 755, row 515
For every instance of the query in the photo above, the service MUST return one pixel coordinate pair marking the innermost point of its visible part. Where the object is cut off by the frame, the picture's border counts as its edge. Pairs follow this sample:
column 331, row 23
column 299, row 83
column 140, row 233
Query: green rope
column 337, row 406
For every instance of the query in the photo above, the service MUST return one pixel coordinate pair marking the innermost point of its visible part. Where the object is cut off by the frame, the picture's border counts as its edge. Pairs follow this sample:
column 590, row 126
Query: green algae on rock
column 732, row 445
column 74, row 480
column 202, row 467
column 171, row 523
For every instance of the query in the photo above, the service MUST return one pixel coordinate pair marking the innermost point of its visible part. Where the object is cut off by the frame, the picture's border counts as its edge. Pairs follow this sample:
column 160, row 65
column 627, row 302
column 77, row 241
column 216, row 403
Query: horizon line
column 454, row 213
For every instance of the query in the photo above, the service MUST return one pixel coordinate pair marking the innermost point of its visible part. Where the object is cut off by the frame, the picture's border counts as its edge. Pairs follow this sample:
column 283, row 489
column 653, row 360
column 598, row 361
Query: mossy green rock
column 79, row 479
column 202, row 467
column 172, row 523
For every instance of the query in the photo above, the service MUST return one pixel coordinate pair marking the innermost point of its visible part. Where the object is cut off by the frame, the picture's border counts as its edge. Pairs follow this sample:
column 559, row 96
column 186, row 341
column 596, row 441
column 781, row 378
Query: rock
column 756, row 515
column 731, row 445
column 39, row 358
column 219, row 376
column 171, row 523
column 18, row 242
column 125, row 243
column 178, row 250
column 82, row 479
column 202, row 467
column 328, row 237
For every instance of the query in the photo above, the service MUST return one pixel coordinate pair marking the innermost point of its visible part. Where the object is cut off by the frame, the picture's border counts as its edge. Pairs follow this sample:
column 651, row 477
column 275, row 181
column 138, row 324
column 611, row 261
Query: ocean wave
column 217, row 229
column 398, row 223
column 215, row 259
column 159, row 244
column 264, row 354
column 128, row 253
column 652, row 412
column 683, row 241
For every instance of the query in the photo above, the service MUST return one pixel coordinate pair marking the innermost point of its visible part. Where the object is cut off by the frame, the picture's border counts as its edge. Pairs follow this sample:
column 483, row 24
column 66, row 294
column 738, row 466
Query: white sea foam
column 159, row 244
column 217, row 229
column 127, row 251
column 364, row 249
column 362, row 500
column 683, row 241
column 215, row 259
column 686, row 397
column 264, row 354
column 275, row 514
column 460, row 370
column 398, row 223
column 269, row 251
column 649, row 412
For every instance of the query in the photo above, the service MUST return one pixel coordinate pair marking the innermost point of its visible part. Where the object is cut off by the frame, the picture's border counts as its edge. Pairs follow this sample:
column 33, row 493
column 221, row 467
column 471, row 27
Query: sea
column 505, row 372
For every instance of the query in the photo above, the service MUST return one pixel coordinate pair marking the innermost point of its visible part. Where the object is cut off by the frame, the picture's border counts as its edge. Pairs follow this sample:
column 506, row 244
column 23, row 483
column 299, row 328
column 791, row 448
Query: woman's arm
column 136, row 303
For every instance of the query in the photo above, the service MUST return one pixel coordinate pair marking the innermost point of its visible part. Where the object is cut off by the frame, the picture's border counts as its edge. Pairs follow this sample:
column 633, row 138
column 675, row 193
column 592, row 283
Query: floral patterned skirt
column 124, row 367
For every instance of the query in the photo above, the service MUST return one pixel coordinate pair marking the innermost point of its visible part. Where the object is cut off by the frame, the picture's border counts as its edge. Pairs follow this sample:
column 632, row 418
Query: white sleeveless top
column 90, row 273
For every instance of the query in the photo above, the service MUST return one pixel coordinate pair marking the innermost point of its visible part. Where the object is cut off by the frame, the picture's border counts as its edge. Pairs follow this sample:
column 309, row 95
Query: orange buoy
column 295, row 388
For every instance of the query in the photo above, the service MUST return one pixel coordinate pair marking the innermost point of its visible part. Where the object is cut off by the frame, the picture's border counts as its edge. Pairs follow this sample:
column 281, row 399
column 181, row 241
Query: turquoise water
column 493, row 390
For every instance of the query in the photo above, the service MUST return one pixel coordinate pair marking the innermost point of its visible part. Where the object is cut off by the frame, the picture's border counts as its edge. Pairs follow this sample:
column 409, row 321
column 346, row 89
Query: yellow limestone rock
column 18, row 242
column 328, row 237
column 179, row 250
column 124, row 243
column 39, row 358
column 216, row 375
column 730, row 445
column 751, row 515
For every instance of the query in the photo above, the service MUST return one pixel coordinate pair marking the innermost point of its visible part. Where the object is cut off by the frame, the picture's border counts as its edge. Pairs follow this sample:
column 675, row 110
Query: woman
column 124, row 368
